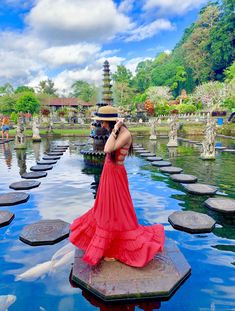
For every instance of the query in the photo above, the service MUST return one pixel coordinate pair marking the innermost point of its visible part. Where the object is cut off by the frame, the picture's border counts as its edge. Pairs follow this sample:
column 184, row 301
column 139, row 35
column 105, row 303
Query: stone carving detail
column 153, row 132
column 208, row 144
column 20, row 137
column 36, row 135
column 173, row 132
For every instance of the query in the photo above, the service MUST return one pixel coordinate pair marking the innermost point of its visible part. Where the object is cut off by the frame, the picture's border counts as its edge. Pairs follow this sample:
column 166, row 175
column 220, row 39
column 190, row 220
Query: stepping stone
column 223, row 205
column 46, row 157
column 142, row 151
column 46, row 162
column 171, row 170
column 80, row 144
column 147, row 154
column 115, row 281
column 152, row 159
column 6, row 218
column 54, row 153
column 13, row 198
column 45, row 232
column 229, row 150
column 161, row 163
column 63, row 146
column 220, row 148
column 25, row 185
column 192, row 222
column 34, row 175
column 58, row 150
column 41, row 168
column 184, row 178
column 200, row 189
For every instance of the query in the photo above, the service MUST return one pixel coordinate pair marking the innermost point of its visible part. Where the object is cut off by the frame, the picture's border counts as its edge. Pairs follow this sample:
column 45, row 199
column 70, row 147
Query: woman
column 110, row 229
column 5, row 127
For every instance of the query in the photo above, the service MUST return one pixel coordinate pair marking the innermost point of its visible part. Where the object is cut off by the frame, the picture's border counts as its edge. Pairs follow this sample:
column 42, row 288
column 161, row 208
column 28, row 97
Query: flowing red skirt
column 111, row 229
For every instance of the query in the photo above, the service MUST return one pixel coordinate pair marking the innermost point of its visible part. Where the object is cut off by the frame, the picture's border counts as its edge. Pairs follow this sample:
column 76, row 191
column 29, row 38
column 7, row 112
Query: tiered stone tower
column 107, row 92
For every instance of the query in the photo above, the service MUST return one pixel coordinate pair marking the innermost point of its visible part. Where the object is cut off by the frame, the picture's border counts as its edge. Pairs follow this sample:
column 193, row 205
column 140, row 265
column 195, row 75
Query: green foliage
column 162, row 109
column 27, row 102
column 6, row 89
column 139, row 98
column 122, row 75
column 23, row 89
column 186, row 108
column 230, row 73
column 229, row 103
column 123, row 94
column 14, row 117
column 84, row 91
column 7, row 103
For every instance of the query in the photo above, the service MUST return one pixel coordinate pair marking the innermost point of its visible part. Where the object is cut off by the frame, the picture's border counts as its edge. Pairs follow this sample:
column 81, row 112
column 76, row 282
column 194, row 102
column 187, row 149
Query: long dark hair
column 113, row 154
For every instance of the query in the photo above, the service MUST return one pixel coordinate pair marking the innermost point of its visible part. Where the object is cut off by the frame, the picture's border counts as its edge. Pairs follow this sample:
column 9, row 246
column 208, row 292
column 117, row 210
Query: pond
column 68, row 191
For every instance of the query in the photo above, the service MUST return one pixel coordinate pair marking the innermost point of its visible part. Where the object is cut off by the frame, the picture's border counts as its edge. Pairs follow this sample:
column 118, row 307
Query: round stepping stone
column 223, row 205
column 46, row 162
column 54, row 153
column 46, row 157
column 171, row 170
column 13, row 198
column 6, row 218
column 45, row 232
column 161, row 163
column 25, row 185
column 41, row 168
column 184, row 178
column 147, row 154
column 200, row 188
column 142, row 151
column 34, row 175
column 192, row 222
column 152, row 159
column 58, row 150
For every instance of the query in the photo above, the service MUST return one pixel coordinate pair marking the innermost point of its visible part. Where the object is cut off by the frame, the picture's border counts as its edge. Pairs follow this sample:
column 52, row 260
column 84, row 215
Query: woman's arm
column 113, row 143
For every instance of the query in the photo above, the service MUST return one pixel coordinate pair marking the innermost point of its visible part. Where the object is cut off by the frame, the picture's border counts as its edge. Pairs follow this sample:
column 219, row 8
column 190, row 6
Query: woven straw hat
column 106, row 113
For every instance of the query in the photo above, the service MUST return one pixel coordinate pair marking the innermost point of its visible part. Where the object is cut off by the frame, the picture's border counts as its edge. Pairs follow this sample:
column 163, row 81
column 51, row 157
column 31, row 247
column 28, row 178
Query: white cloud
column 70, row 21
column 70, row 55
column 168, row 52
column 148, row 31
column 172, row 7
column 126, row 6
column 132, row 63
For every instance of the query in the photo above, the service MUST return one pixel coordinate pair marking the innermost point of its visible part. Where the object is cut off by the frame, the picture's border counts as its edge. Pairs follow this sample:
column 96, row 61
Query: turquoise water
column 68, row 191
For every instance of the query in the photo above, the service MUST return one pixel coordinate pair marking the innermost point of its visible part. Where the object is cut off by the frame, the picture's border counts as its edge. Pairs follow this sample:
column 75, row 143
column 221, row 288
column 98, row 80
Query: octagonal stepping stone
column 223, row 205
column 34, row 175
column 152, row 159
column 58, row 150
column 200, row 189
column 161, row 163
column 6, row 218
column 229, row 150
column 25, row 185
column 46, row 157
column 145, row 154
column 45, row 232
column 220, row 148
column 46, row 162
column 80, row 144
column 54, row 153
column 192, row 222
column 171, row 170
column 41, row 168
column 142, row 151
column 63, row 146
column 115, row 281
column 184, row 178
column 13, row 198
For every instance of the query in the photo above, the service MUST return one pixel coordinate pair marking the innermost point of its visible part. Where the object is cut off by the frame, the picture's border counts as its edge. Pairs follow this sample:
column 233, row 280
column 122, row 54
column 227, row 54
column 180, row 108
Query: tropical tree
column 6, row 89
column 84, row 90
column 27, row 102
column 123, row 93
column 47, row 87
column 122, row 75
column 23, row 89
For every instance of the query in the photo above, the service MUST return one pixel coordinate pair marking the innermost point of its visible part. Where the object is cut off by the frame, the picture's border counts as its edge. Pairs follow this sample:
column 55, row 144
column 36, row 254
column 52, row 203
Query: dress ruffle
column 101, row 233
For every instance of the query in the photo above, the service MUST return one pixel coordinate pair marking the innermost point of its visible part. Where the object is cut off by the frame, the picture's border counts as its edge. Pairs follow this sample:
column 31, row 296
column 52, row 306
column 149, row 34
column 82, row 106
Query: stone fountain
column 208, row 144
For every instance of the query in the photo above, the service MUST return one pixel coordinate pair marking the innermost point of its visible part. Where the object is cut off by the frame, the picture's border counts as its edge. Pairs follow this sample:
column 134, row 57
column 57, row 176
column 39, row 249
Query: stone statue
column 153, row 132
column 173, row 132
column 36, row 136
column 20, row 142
column 50, row 127
column 208, row 144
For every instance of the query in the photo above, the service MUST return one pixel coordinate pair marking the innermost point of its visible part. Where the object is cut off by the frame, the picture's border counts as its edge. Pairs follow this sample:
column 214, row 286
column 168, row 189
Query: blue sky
column 68, row 40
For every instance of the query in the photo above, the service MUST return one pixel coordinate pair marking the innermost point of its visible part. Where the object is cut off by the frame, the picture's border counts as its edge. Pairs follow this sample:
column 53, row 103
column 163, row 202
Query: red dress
column 110, row 228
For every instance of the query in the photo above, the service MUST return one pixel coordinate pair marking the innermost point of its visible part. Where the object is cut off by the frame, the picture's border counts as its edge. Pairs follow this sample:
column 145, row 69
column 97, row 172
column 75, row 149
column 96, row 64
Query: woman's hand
column 118, row 124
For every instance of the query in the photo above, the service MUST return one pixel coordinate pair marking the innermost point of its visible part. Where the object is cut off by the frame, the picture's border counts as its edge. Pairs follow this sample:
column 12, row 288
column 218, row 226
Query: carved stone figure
column 50, row 127
column 153, row 132
column 20, row 137
column 36, row 136
column 208, row 144
column 173, row 132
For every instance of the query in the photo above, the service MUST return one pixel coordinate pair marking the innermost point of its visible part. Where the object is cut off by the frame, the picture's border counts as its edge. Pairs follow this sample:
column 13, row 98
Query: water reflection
column 96, row 172
column 7, row 154
column 36, row 150
column 21, row 160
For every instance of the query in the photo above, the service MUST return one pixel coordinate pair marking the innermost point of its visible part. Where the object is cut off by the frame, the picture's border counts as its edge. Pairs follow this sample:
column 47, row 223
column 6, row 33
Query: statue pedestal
column 36, row 139
column 20, row 146
column 153, row 137
column 172, row 143
column 207, row 156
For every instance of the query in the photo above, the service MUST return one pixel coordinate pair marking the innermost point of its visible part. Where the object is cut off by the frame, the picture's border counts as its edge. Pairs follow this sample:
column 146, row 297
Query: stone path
column 224, row 205
column 41, row 168
column 147, row 154
column 192, row 222
column 50, row 157
column 171, row 170
column 13, row 198
column 154, row 158
column 45, row 232
column 46, row 162
column 184, row 178
column 34, row 175
column 6, row 218
column 25, row 185
column 200, row 189
column 161, row 163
